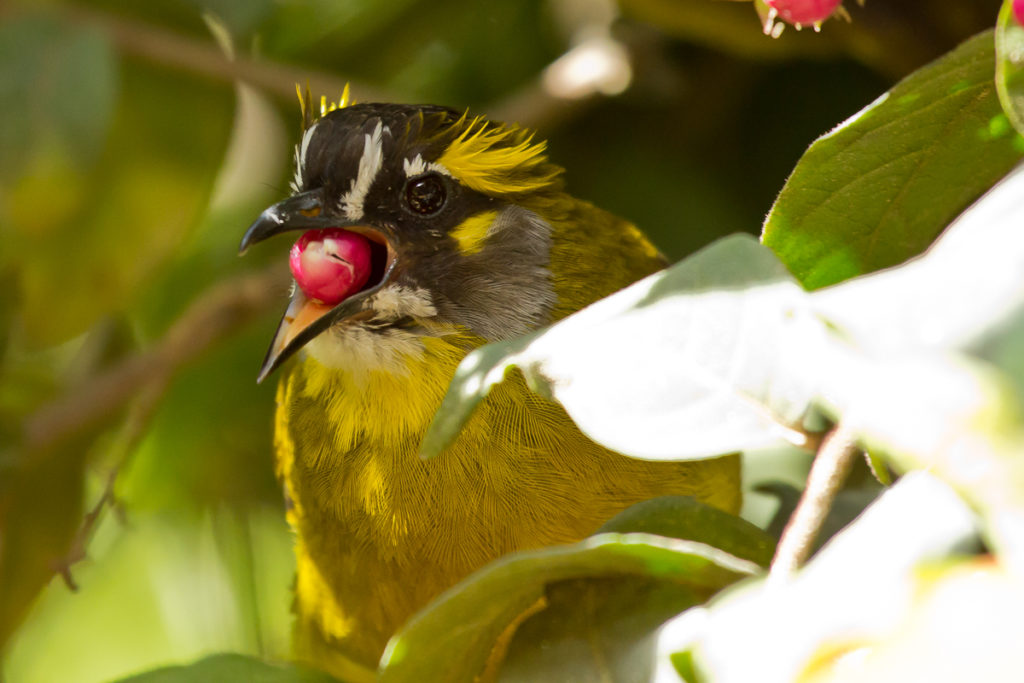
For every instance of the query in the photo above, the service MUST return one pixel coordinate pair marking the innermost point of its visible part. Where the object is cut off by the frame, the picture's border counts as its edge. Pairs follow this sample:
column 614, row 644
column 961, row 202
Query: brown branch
column 216, row 314
column 530, row 106
column 831, row 466
column 158, row 45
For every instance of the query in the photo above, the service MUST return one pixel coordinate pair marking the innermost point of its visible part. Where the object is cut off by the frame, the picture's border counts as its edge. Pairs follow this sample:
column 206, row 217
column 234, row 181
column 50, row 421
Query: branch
column 531, row 105
column 132, row 432
column 149, row 42
column 829, row 471
column 217, row 314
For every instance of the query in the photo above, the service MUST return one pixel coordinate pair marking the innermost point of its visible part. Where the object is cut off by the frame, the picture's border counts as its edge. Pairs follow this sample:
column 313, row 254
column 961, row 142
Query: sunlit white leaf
column 858, row 586
column 710, row 356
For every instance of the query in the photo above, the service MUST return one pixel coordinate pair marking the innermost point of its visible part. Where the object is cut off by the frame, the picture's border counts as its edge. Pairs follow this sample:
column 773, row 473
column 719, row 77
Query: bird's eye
column 425, row 194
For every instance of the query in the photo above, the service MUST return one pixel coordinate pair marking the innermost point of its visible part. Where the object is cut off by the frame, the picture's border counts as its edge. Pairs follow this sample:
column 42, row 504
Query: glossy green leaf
column 689, row 519
column 878, row 467
column 1010, row 65
column 595, row 630
column 227, row 668
column 880, row 187
column 717, row 360
column 453, row 637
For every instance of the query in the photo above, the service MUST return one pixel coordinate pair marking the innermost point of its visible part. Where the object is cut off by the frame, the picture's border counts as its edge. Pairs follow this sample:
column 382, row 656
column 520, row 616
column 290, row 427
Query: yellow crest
column 306, row 104
column 497, row 159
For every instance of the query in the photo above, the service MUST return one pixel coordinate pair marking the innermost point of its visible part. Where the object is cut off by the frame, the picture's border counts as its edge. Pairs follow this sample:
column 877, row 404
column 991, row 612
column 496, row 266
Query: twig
column 132, row 432
column 829, row 471
column 812, row 440
column 216, row 314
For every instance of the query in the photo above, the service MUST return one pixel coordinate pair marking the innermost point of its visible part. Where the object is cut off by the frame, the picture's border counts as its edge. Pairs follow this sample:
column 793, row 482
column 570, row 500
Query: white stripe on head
column 369, row 166
column 417, row 166
column 300, row 157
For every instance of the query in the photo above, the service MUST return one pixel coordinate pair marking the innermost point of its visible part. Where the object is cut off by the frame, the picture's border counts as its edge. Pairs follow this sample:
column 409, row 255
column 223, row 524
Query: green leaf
column 1010, row 65
column 596, row 629
column 453, row 637
column 688, row 519
column 717, row 360
column 880, row 187
column 224, row 668
column 878, row 467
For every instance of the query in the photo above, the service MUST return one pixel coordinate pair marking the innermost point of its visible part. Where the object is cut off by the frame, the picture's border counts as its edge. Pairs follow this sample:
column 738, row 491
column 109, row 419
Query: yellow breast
column 380, row 532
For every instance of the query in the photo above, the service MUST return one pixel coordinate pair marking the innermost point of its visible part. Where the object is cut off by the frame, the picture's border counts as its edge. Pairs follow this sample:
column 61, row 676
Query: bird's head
column 453, row 209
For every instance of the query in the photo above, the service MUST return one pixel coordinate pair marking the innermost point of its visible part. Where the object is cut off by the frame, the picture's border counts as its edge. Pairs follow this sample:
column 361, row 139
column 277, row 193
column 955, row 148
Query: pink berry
column 1018, row 11
column 330, row 265
column 803, row 12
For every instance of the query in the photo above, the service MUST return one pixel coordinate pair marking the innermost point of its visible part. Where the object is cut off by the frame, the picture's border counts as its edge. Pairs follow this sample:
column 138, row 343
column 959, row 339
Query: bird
column 473, row 238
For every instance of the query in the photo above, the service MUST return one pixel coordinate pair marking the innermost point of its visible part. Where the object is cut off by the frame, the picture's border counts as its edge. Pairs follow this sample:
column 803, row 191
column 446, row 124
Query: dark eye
column 425, row 194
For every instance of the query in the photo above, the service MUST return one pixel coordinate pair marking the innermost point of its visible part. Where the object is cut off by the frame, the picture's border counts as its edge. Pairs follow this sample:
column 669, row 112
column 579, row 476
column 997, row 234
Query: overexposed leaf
column 860, row 584
column 944, row 413
column 964, row 625
column 712, row 355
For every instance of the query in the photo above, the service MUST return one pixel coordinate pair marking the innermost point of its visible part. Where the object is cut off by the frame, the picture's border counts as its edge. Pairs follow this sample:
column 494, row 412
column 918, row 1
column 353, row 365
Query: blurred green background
column 139, row 140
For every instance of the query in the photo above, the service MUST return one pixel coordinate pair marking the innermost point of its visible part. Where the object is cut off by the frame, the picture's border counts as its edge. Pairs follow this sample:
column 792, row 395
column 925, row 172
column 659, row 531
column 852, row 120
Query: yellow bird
column 472, row 238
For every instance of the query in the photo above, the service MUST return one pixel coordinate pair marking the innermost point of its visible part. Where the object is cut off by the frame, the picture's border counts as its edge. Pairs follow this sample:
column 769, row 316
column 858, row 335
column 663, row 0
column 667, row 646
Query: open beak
column 304, row 319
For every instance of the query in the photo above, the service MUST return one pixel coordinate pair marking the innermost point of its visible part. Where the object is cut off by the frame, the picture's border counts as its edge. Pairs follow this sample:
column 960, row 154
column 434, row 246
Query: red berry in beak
column 330, row 265
column 803, row 12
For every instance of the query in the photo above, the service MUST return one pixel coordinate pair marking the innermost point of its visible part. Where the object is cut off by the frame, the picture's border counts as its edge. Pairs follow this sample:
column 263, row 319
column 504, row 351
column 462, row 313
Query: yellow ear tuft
column 471, row 234
column 306, row 104
column 497, row 159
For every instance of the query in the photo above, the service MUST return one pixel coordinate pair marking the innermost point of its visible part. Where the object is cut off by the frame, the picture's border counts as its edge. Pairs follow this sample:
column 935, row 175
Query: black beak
column 304, row 319
column 301, row 212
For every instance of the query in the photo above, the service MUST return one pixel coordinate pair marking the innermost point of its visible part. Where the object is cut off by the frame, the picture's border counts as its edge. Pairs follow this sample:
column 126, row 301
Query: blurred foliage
column 136, row 148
